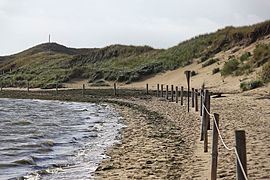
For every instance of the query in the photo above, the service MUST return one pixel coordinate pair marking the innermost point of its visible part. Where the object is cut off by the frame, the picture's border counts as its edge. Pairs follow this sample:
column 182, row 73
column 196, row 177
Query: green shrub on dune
column 209, row 62
column 216, row 70
column 229, row 67
column 265, row 75
column 251, row 85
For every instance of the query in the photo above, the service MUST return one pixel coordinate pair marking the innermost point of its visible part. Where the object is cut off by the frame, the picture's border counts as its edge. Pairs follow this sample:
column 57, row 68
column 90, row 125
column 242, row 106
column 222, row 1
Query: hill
column 48, row 63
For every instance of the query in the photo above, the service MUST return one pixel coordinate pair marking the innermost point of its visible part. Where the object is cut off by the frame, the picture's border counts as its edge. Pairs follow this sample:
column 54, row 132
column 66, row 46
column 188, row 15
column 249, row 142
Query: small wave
column 6, row 121
column 29, row 161
column 80, row 110
column 62, row 165
column 38, row 174
column 91, row 136
column 10, row 149
column 37, row 136
column 50, row 171
column 94, row 129
column 48, row 124
column 22, row 123
column 99, row 122
column 47, row 143
column 95, row 114
column 8, row 165
column 29, row 146
column 81, row 153
column 43, row 150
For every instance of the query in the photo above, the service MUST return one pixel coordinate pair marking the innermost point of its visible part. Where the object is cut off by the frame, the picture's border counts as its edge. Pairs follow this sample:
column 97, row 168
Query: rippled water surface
column 53, row 139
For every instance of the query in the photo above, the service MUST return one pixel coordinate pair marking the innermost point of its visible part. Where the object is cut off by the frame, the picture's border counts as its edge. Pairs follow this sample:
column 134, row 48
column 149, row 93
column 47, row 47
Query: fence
column 56, row 85
column 239, row 149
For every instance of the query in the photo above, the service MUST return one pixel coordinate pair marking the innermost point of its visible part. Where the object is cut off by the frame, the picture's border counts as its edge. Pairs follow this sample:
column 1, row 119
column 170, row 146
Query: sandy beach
column 161, row 140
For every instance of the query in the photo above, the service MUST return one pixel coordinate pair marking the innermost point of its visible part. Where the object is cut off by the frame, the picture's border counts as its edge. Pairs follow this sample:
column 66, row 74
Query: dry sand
column 215, row 82
column 169, row 148
column 177, row 77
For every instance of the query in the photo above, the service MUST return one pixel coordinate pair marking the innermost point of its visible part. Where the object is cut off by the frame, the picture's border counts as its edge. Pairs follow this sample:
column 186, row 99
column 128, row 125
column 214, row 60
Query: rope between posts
column 220, row 136
column 240, row 163
column 222, row 140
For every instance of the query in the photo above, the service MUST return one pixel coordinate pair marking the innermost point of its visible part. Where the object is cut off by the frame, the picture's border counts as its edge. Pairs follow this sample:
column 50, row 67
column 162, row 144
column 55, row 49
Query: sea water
column 42, row 139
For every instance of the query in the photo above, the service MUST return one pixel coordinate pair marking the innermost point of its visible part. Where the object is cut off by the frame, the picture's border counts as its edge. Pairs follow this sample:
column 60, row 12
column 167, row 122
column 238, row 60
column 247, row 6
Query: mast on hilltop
column 49, row 43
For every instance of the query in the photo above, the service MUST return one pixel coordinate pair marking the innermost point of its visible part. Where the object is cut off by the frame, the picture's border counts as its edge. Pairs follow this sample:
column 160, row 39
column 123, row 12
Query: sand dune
column 204, row 75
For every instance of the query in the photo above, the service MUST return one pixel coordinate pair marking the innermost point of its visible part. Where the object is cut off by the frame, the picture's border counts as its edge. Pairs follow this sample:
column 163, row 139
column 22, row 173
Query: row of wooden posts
column 205, row 124
column 176, row 94
column 56, row 87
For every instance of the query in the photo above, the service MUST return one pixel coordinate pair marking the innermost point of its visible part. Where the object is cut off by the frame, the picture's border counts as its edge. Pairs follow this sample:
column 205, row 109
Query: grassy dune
column 50, row 63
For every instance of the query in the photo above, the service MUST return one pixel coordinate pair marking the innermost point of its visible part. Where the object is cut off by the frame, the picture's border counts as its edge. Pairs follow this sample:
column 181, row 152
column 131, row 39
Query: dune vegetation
column 47, row 64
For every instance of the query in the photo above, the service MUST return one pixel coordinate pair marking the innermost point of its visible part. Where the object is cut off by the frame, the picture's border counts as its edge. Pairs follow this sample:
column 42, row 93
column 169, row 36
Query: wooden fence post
column 188, row 99
column 202, row 115
column 188, row 83
column 208, row 109
column 205, row 134
column 201, row 102
column 167, row 93
column 203, row 122
column 27, row 86
column 83, row 89
column 161, row 90
column 157, row 90
column 147, row 89
column 196, row 100
column 214, row 148
column 240, row 141
column 181, row 95
column 114, row 89
column 176, row 94
column 192, row 97
column 56, row 88
column 172, row 92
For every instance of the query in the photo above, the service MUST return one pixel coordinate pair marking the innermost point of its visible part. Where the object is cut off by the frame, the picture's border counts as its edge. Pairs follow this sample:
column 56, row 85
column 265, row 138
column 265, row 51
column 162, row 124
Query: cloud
column 252, row 19
column 97, row 23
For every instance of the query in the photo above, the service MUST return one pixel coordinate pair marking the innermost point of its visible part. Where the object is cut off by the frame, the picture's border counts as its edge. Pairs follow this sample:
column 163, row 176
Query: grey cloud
column 97, row 23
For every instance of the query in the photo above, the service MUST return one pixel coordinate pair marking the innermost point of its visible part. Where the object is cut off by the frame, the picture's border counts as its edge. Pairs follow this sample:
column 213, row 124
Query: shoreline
column 152, row 146
column 161, row 138
column 158, row 133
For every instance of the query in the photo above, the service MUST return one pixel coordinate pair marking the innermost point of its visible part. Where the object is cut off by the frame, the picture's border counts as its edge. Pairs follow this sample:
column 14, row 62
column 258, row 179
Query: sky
column 99, row 23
